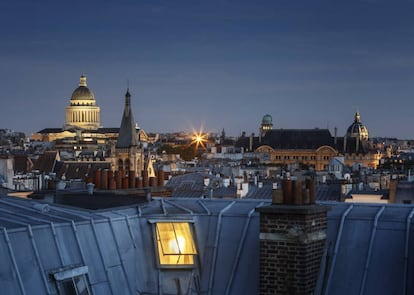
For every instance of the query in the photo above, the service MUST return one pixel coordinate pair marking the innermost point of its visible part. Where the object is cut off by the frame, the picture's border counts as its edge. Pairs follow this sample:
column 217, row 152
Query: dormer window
column 175, row 244
column 72, row 281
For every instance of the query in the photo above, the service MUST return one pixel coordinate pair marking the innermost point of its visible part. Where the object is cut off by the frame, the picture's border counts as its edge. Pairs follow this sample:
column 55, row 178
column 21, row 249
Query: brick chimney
column 292, row 240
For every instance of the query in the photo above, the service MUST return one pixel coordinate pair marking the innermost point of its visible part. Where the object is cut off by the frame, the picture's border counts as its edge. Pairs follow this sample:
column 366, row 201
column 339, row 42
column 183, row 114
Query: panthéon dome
column 82, row 112
column 82, row 95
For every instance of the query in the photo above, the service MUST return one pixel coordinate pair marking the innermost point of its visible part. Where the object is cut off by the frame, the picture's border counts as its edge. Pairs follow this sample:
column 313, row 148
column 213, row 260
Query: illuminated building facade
column 311, row 148
column 356, row 147
column 82, row 129
column 82, row 112
column 298, row 148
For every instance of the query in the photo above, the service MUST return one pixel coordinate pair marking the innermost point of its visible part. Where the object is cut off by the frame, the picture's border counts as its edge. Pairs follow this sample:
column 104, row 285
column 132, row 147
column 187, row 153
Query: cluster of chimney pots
column 107, row 179
column 295, row 192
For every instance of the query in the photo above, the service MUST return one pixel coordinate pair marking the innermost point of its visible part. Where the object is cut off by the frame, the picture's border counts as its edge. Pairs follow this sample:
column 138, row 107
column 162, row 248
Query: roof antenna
column 128, row 84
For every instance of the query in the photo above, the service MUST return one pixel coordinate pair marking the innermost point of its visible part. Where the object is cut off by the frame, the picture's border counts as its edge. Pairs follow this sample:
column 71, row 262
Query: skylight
column 175, row 244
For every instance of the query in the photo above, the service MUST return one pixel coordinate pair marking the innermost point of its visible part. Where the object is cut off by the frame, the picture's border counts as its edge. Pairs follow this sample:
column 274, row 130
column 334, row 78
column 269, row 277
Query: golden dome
column 82, row 95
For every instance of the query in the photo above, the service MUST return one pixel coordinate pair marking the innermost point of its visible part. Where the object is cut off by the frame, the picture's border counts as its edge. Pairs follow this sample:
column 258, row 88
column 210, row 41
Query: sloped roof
column 328, row 192
column 297, row 138
column 256, row 192
column 351, row 145
column 50, row 130
column 18, row 213
column 405, row 191
column 22, row 163
column 79, row 170
column 46, row 162
column 191, row 185
column 368, row 250
column 244, row 142
column 369, row 247
column 290, row 139
column 107, row 130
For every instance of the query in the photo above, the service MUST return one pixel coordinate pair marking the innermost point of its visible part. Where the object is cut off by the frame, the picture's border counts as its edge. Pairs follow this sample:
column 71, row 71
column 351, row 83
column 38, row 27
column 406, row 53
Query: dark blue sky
column 217, row 64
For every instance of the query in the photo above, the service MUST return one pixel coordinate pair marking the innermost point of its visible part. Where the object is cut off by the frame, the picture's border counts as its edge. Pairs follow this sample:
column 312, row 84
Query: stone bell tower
column 128, row 157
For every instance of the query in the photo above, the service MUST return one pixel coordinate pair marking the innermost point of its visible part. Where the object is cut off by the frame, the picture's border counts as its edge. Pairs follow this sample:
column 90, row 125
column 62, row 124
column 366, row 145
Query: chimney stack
column 251, row 142
column 292, row 240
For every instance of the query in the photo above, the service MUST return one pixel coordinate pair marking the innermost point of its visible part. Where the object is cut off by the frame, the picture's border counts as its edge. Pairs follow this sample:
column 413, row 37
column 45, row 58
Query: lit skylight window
column 175, row 243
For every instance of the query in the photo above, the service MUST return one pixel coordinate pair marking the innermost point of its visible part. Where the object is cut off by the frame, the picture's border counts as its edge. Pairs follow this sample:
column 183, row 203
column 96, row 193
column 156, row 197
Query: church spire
column 127, row 132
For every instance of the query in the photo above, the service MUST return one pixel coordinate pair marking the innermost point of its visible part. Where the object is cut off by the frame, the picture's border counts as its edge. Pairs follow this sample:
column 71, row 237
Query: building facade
column 356, row 148
column 82, row 112
column 311, row 148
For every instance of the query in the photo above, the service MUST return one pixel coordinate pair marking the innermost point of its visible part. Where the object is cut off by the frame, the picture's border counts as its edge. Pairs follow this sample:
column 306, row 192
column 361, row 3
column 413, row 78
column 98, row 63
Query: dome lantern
column 82, row 81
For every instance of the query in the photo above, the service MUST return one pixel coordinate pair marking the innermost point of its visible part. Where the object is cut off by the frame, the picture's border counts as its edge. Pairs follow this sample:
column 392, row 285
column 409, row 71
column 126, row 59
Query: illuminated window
column 175, row 244
column 72, row 281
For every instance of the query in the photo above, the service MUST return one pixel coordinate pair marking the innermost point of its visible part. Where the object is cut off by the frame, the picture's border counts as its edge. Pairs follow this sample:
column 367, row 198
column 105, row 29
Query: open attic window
column 72, row 281
column 175, row 244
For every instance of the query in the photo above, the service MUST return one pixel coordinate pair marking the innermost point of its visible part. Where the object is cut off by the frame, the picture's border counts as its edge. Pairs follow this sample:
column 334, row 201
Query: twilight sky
column 216, row 64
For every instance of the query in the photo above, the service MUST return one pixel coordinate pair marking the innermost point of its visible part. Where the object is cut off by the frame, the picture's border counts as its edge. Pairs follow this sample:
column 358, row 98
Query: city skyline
column 211, row 65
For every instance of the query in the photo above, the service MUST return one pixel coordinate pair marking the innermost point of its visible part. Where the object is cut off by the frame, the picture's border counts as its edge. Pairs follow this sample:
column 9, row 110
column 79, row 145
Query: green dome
column 267, row 119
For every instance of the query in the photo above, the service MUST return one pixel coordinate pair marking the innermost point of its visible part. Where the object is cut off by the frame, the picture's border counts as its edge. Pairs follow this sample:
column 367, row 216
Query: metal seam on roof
column 52, row 226
column 25, row 217
column 38, row 260
column 131, row 233
column 337, row 242
column 239, row 249
column 75, row 232
column 120, row 256
column 72, row 212
column 214, row 260
column 180, row 207
column 407, row 240
column 164, row 210
column 371, row 245
column 204, row 207
column 13, row 221
column 31, row 209
column 101, row 255
column 13, row 259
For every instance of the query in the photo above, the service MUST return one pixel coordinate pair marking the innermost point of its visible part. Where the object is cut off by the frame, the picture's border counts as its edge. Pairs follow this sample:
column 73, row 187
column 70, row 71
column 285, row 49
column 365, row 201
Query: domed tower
column 82, row 112
column 266, row 125
column 356, row 137
column 357, row 129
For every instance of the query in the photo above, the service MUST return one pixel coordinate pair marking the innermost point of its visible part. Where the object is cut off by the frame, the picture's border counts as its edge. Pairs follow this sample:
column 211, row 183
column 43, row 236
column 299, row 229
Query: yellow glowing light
column 175, row 243
column 199, row 138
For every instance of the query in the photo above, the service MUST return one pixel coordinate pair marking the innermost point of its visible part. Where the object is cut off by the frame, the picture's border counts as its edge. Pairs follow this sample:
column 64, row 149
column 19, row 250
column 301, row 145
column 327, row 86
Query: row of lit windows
column 301, row 158
column 83, row 104
column 84, row 117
